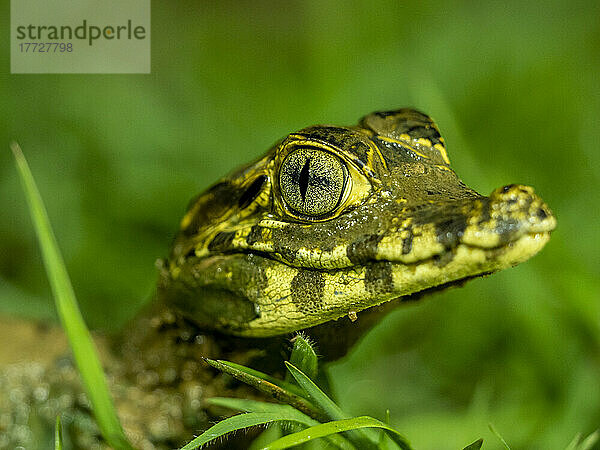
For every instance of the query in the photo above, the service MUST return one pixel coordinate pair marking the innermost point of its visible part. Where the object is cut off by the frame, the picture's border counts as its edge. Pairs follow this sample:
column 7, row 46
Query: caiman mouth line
column 450, row 250
column 439, row 258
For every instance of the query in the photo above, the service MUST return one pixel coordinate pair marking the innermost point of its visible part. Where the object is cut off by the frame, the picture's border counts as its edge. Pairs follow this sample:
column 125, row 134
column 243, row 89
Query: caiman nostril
column 513, row 192
column 542, row 214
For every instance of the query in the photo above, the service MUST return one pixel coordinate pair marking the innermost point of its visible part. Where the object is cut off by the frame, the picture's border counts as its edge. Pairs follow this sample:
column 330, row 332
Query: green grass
column 316, row 413
column 58, row 439
column 310, row 408
column 80, row 340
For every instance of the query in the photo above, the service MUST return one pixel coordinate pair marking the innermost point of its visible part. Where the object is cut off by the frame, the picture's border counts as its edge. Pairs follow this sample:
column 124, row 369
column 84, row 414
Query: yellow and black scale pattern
column 334, row 220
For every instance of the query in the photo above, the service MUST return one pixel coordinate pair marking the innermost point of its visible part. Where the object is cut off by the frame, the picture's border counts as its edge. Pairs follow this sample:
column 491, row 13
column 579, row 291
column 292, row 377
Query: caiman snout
column 507, row 214
column 520, row 202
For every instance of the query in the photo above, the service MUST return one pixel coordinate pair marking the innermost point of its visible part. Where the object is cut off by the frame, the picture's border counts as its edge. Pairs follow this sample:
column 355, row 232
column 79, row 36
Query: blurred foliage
column 514, row 88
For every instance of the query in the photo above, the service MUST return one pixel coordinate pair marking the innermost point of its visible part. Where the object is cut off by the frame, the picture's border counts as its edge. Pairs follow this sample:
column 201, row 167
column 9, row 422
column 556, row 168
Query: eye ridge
column 303, row 179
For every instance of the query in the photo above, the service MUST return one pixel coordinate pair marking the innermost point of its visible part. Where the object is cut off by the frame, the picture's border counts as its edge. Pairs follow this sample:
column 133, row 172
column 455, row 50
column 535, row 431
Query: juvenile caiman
column 320, row 234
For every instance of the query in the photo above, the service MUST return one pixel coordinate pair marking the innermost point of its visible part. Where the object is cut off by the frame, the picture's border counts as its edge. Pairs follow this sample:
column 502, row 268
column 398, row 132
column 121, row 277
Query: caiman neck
column 157, row 365
column 161, row 339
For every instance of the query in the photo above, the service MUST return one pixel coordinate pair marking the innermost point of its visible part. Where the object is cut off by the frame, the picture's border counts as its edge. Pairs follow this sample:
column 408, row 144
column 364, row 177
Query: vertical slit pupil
column 303, row 180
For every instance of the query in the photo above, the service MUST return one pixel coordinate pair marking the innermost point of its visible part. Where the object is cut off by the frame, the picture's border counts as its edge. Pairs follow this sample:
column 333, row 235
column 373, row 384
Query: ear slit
column 252, row 192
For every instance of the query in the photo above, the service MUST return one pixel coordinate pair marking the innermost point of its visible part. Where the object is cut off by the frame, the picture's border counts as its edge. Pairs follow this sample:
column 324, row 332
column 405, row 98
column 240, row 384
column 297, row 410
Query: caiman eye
column 312, row 182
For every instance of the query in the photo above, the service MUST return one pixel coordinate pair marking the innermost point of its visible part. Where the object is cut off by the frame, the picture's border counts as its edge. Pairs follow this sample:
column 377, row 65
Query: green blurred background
column 514, row 88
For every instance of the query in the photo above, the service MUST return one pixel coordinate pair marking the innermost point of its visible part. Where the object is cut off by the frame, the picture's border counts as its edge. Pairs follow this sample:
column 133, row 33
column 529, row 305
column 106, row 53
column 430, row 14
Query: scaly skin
column 319, row 234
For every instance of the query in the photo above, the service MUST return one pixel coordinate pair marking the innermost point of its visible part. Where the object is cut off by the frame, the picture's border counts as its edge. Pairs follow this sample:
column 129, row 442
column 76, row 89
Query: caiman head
column 334, row 220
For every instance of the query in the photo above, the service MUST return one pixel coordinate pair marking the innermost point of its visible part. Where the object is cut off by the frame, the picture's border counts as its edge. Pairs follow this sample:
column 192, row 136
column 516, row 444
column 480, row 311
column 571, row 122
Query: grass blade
column 263, row 407
column 238, row 368
column 316, row 395
column 268, row 385
column 474, row 445
column 338, row 426
column 58, row 441
column 304, row 357
column 493, row 430
column 574, row 443
column 239, row 422
column 587, row 444
column 66, row 304
column 361, row 438
column 241, row 404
